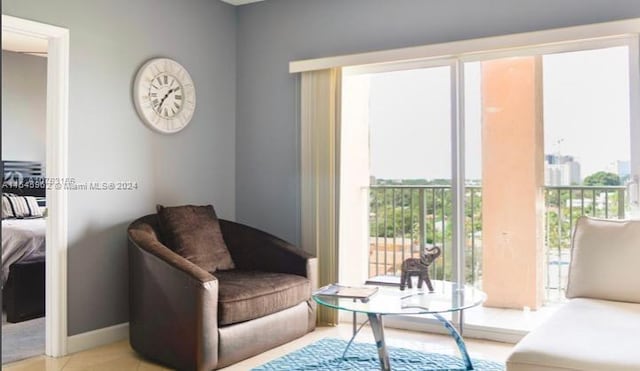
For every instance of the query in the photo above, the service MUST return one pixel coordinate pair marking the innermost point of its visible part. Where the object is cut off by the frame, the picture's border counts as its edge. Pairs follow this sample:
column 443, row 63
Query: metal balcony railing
column 402, row 218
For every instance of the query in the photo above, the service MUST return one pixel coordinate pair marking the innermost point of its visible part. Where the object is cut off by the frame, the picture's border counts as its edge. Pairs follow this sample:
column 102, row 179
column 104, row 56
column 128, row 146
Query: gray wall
column 24, row 106
column 275, row 32
column 109, row 41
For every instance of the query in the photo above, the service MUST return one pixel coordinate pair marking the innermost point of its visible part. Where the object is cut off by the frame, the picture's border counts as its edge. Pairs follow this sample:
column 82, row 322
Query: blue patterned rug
column 326, row 354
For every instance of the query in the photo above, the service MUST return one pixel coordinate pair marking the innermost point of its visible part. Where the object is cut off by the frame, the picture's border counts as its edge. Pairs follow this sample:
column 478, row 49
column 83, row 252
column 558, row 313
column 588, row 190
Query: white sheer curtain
column 320, row 154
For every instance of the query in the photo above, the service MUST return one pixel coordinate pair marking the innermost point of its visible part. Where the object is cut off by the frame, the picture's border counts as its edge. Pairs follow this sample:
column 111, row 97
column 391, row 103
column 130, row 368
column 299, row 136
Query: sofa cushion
column 605, row 258
column 584, row 334
column 194, row 233
column 246, row 295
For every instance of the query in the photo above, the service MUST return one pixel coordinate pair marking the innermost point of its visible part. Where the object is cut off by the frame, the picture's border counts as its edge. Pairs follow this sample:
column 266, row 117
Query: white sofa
column 598, row 329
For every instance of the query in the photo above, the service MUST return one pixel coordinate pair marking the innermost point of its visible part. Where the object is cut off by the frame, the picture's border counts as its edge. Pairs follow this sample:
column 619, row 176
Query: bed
column 22, row 239
column 23, row 245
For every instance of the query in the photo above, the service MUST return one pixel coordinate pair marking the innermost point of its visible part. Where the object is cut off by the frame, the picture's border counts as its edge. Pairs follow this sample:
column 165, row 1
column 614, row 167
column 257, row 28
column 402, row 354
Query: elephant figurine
column 419, row 267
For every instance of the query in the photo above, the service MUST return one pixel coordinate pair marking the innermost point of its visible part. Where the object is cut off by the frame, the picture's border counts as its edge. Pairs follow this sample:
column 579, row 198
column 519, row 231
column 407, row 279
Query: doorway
column 57, row 40
column 24, row 103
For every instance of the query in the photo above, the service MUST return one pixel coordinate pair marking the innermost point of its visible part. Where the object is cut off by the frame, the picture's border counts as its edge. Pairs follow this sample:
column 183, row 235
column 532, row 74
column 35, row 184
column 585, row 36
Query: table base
column 378, row 334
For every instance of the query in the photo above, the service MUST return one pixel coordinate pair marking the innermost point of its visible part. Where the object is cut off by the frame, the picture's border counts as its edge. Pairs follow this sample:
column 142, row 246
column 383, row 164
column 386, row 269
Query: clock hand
column 161, row 102
column 166, row 96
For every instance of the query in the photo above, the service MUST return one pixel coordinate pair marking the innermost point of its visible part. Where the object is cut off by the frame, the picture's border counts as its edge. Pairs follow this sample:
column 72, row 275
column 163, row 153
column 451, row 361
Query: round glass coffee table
column 389, row 300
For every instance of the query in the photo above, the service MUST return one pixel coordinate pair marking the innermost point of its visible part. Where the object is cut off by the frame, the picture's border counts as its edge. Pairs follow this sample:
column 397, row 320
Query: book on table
column 342, row 291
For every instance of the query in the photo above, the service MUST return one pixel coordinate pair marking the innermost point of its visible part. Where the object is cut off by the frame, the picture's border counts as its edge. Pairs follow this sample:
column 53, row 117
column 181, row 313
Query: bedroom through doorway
column 24, row 202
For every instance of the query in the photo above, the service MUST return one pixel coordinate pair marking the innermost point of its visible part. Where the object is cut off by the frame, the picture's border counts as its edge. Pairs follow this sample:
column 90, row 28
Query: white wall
column 24, row 107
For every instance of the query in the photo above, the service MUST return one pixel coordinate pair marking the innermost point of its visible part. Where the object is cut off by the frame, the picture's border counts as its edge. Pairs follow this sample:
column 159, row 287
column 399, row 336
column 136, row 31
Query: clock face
column 164, row 95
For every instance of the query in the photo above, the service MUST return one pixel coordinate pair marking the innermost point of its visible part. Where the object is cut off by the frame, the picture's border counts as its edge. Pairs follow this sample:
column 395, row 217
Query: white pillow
column 7, row 212
column 20, row 206
column 605, row 260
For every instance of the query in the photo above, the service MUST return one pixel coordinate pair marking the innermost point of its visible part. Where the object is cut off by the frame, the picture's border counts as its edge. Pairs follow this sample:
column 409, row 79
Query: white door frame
column 56, row 169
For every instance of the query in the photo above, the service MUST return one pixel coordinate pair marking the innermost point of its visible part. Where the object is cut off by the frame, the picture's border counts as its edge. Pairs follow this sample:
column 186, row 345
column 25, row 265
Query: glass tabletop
column 447, row 297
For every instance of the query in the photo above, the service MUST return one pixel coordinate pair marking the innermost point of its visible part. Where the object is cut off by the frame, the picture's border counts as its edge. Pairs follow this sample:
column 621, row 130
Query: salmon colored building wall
column 512, row 182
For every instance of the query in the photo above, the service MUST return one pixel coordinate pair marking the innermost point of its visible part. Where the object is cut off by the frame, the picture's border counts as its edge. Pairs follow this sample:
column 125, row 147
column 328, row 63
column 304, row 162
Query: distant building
column 561, row 170
column 621, row 168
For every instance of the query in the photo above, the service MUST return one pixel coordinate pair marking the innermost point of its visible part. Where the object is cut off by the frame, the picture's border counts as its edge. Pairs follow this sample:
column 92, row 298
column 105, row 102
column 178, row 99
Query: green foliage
column 602, row 178
column 395, row 213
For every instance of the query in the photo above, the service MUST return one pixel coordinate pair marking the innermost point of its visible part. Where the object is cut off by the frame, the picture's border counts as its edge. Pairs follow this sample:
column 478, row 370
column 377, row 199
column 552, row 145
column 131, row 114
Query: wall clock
column 164, row 95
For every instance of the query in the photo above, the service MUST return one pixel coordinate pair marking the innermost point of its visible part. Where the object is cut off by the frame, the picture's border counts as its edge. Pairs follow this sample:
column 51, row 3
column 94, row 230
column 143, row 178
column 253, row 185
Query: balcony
column 404, row 217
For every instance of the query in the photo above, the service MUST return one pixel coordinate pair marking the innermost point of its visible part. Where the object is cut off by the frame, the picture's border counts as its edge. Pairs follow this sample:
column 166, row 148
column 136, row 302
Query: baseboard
column 96, row 338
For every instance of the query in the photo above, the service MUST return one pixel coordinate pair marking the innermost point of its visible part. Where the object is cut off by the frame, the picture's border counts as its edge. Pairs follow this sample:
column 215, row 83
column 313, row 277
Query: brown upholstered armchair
column 189, row 319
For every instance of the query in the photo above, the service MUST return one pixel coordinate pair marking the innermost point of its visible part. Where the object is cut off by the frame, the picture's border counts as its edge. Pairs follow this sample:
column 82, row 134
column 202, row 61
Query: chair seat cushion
column 246, row 295
column 585, row 334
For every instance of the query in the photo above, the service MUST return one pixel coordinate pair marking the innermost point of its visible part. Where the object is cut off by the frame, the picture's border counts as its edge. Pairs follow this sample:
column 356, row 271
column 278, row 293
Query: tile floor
column 120, row 356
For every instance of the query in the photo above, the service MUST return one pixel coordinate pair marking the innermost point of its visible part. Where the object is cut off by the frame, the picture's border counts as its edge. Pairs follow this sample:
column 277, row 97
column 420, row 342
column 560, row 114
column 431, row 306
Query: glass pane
column 586, row 146
column 410, row 168
column 546, row 141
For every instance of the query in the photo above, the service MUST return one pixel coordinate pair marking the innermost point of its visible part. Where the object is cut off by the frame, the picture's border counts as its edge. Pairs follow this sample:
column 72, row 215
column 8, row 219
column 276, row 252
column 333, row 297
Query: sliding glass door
column 404, row 117
column 493, row 157
column 548, row 139
column 410, row 167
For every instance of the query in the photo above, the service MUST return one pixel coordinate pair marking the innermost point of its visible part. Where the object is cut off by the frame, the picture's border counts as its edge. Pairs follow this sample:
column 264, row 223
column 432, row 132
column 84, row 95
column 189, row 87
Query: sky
column 585, row 107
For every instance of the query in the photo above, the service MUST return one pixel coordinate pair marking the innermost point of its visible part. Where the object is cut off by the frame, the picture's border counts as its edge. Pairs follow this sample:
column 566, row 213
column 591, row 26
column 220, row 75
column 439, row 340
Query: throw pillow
column 604, row 260
column 7, row 212
column 20, row 207
column 194, row 233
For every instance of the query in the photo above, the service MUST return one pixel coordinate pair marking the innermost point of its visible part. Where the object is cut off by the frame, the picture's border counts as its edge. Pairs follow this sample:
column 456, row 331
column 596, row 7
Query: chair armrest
column 172, row 306
column 253, row 249
column 154, row 247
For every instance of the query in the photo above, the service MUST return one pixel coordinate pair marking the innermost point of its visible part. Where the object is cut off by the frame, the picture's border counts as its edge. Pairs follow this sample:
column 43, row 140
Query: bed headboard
column 25, row 178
